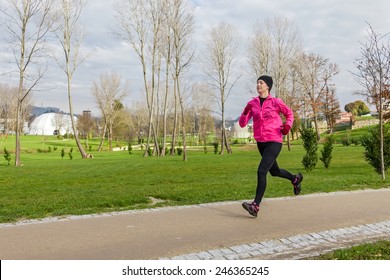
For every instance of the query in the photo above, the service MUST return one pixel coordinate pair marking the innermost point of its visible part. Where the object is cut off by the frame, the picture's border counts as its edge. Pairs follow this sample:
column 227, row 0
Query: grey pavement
column 286, row 228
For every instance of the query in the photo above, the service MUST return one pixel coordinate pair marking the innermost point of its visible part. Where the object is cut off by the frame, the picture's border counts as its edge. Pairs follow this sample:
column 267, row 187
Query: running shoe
column 297, row 183
column 252, row 208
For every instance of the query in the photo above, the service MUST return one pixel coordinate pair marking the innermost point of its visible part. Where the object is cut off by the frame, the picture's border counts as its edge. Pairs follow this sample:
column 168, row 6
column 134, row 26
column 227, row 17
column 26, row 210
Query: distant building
column 51, row 124
column 344, row 117
column 87, row 113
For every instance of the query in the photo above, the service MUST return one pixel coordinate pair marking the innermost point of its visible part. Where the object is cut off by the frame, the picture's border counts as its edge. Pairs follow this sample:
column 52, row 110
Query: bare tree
column 139, row 24
column 123, row 129
column 260, row 50
column 8, row 109
column 70, row 37
column 8, row 103
column 58, row 121
column 314, row 74
column 294, row 99
column 27, row 23
column 330, row 107
column 182, row 26
column 221, row 62
column 274, row 44
column 109, row 93
column 373, row 74
column 166, row 51
column 139, row 118
column 204, row 121
column 86, row 125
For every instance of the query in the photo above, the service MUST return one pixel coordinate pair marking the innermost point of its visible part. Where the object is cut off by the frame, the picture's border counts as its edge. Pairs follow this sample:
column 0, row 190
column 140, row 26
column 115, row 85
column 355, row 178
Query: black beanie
column 267, row 79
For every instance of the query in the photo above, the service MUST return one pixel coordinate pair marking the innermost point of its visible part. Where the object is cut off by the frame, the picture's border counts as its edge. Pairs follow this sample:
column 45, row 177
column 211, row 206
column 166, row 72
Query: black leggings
column 269, row 151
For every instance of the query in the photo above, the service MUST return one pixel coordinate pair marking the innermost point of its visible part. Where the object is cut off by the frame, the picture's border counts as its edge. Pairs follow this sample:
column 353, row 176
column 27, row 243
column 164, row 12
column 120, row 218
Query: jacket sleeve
column 244, row 119
column 287, row 112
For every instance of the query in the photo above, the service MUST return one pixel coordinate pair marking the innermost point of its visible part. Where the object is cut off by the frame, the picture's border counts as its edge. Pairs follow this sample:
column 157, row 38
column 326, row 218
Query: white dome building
column 51, row 124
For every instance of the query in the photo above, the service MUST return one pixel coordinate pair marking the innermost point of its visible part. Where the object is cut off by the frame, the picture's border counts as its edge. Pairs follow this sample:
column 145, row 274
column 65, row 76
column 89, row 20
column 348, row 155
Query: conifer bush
column 70, row 154
column 371, row 143
column 326, row 152
column 7, row 156
column 215, row 147
column 309, row 138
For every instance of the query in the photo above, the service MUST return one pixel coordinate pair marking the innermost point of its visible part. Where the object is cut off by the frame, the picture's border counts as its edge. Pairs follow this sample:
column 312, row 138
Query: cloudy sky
column 330, row 28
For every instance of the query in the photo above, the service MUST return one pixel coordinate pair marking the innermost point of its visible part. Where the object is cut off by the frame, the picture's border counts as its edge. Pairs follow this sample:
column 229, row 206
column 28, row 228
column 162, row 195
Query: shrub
column 62, row 153
column 215, row 147
column 326, row 152
column 70, row 153
column 7, row 156
column 309, row 138
column 371, row 143
column 179, row 151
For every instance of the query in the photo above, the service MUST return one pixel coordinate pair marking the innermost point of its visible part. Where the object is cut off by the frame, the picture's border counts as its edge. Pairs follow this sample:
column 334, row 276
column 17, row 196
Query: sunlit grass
column 371, row 251
column 48, row 185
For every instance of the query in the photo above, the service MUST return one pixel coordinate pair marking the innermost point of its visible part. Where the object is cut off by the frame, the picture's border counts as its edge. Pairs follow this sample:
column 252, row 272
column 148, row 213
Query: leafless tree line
column 29, row 23
column 161, row 35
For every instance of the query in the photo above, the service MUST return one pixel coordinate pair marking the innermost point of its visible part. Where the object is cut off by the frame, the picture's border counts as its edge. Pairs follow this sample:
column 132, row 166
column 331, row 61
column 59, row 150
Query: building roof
column 45, row 124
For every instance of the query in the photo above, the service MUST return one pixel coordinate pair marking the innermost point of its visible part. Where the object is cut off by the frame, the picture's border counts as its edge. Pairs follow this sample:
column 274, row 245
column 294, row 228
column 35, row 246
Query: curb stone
column 298, row 246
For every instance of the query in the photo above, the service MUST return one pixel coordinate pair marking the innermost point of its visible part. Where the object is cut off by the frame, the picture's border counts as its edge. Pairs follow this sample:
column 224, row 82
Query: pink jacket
column 266, row 119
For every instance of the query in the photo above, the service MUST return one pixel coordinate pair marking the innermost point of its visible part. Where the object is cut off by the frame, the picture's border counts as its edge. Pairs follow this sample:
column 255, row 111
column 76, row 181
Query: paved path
column 287, row 228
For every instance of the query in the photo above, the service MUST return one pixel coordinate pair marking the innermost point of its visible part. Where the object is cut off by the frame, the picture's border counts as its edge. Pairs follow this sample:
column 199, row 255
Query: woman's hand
column 285, row 128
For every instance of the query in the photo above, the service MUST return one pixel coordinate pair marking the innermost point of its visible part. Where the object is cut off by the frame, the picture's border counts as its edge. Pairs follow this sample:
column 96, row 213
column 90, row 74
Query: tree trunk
column 184, row 136
column 102, row 138
column 173, row 142
column 164, row 144
column 383, row 172
column 17, row 134
column 183, row 120
column 225, row 142
column 110, row 136
column 75, row 133
column 18, row 118
column 288, row 141
column 316, row 126
column 228, row 149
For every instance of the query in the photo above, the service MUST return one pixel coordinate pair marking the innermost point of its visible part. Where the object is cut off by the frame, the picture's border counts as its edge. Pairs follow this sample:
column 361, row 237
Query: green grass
column 339, row 136
column 370, row 251
column 47, row 185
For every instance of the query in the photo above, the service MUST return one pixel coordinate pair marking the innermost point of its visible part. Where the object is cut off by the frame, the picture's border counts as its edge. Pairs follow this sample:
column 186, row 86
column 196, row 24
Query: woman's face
column 261, row 86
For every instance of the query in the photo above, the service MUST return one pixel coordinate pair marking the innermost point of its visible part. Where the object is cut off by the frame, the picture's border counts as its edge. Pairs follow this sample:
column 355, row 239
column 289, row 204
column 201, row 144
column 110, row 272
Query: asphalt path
column 173, row 231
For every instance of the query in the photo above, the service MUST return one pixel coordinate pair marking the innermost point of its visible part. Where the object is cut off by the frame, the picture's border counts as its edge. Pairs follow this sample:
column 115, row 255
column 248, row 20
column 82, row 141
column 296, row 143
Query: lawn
column 370, row 251
column 48, row 185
